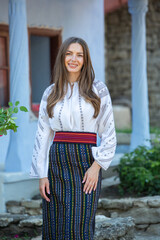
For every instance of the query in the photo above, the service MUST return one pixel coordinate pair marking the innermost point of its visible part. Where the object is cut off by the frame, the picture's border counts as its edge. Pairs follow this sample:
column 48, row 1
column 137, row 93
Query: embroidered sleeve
column 104, row 153
column 44, row 135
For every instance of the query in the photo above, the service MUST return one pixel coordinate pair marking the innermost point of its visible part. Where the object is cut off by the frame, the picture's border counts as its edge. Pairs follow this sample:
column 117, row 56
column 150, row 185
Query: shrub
column 139, row 171
column 6, row 117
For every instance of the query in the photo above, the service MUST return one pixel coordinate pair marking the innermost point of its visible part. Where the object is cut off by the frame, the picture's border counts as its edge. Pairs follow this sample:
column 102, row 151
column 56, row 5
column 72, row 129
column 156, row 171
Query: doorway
column 44, row 45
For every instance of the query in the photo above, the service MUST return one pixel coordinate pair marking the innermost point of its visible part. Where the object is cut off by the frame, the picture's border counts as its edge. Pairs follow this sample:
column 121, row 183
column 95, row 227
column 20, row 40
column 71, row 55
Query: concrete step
column 146, row 237
column 108, row 182
column 136, row 238
column 115, row 162
column 37, row 238
column 13, row 182
column 125, row 138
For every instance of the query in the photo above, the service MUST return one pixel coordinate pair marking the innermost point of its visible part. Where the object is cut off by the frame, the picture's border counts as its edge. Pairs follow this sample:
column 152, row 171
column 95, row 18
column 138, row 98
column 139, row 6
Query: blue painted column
column 140, row 108
column 16, row 159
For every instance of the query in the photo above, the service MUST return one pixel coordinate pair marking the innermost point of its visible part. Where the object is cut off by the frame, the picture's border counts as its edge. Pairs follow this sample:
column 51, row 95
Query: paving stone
column 115, row 203
column 154, row 229
column 37, row 238
column 13, row 203
column 5, row 221
column 16, row 209
column 146, row 237
column 16, row 217
column 114, row 228
column 142, row 226
column 143, row 215
column 33, row 212
column 31, row 203
column 31, row 222
column 140, row 202
column 154, row 202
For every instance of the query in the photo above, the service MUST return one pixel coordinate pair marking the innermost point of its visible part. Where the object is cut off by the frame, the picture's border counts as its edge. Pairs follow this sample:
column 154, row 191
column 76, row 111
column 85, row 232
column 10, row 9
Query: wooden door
column 4, row 69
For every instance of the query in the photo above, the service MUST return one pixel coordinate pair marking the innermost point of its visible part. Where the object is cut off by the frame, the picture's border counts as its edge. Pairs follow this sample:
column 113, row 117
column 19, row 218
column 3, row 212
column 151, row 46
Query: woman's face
column 74, row 58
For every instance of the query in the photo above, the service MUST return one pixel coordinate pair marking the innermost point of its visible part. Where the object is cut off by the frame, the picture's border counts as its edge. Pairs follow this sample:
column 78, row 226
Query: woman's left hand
column 91, row 178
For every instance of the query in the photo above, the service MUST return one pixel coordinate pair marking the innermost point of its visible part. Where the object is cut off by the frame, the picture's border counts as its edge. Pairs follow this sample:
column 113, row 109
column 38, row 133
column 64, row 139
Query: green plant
column 6, row 117
column 155, row 130
column 139, row 170
column 125, row 130
column 19, row 236
column 16, row 238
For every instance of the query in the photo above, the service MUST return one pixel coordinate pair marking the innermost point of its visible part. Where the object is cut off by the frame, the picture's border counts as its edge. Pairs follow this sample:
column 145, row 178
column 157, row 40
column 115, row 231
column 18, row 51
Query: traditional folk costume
column 65, row 147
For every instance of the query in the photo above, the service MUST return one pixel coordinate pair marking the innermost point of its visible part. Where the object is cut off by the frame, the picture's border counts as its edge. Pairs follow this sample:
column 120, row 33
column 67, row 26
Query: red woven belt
column 75, row 137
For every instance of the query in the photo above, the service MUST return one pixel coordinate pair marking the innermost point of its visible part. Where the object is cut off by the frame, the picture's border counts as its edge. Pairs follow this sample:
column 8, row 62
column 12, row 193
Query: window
column 4, row 66
column 44, row 45
column 43, row 49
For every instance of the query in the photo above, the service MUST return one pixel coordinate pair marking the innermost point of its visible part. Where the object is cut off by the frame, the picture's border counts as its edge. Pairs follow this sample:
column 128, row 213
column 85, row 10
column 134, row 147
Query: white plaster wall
column 4, row 140
column 83, row 18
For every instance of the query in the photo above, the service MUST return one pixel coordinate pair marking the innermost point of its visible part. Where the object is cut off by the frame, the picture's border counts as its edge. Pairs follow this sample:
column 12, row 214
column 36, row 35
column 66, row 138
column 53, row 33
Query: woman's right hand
column 44, row 187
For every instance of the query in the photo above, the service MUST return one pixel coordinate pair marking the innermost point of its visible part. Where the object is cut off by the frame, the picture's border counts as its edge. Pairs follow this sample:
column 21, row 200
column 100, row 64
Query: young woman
column 66, row 159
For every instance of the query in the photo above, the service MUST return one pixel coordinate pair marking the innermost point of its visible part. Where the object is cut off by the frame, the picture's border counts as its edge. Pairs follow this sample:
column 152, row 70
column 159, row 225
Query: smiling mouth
column 72, row 65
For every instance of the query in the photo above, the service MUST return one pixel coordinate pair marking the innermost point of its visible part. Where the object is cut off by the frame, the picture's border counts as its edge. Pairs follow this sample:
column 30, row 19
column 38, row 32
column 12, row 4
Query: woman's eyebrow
column 77, row 52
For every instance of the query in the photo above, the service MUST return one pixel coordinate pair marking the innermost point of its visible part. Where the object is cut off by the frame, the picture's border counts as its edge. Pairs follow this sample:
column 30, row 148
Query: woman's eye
column 67, row 53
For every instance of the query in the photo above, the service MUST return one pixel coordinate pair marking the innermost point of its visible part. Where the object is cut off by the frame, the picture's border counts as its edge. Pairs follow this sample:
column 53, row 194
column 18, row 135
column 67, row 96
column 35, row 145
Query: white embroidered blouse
column 74, row 114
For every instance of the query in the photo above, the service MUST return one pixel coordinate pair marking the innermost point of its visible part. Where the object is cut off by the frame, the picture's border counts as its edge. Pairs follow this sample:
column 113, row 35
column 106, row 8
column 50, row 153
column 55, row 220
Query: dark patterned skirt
column 70, row 214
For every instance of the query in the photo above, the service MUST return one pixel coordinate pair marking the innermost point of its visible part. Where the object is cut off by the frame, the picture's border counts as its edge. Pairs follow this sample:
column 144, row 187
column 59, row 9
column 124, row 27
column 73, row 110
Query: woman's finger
column 44, row 195
column 95, row 186
column 85, row 177
column 40, row 190
column 44, row 185
column 47, row 188
column 88, row 186
column 91, row 188
column 85, row 186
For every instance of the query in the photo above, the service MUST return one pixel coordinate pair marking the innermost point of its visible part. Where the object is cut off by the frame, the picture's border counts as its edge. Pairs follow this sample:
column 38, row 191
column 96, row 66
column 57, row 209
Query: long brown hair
column 60, row 78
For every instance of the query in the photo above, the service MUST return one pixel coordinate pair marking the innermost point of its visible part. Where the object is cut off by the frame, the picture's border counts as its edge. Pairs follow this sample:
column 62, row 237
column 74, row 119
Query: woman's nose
column 73, row 57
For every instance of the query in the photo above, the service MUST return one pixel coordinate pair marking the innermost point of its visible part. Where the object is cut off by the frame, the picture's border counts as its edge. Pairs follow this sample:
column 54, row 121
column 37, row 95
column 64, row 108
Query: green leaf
column 2, row 120
column 4, row 132
column 11, row 121
column 3, row 115
column 17, row 102
column 10, row 104
column 24, row 109
column 14, row 128
column 10, row 109
column 8, row 113
column 15, row 110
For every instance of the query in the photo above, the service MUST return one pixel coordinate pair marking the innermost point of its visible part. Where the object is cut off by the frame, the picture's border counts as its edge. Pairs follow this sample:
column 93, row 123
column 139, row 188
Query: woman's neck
column 73, row 77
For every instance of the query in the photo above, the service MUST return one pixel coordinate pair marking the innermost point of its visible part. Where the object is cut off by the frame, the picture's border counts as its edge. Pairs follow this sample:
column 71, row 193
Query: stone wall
column 145, row 211
column 118, row 55
column 118, row 219
column 25, row 217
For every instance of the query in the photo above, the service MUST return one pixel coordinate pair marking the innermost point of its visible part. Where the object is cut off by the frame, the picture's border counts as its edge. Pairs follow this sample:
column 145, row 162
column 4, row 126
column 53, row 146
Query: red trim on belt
column 76, row 137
